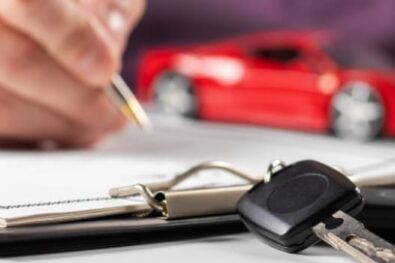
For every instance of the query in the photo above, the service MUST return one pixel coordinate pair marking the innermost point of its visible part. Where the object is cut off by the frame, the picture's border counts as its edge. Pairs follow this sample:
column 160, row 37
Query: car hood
column 369, row 75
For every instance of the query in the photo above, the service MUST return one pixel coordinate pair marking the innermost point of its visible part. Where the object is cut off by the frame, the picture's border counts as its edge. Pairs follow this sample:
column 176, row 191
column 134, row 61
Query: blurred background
column 367, row 22
column 352, row 84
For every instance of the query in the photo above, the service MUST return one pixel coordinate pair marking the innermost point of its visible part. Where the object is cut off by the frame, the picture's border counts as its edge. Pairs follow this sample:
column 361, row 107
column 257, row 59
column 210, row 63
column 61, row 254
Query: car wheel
column 357, row 112
column 174, row 94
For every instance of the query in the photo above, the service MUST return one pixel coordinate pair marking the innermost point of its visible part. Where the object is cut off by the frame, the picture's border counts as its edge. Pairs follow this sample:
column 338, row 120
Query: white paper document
column 71, row 182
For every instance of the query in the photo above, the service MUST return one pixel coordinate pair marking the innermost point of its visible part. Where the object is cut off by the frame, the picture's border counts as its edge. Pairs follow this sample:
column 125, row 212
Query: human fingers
column 64, row 30
column 29, row 72
column 25, row 123
column 117, row 17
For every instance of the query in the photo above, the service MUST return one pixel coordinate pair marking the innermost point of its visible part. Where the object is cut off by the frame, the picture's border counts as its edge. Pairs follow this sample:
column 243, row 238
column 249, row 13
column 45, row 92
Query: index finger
column 64, row 30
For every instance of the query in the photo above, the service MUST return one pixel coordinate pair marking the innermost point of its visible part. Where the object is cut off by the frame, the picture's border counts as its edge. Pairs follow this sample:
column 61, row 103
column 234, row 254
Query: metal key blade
column 347, row 234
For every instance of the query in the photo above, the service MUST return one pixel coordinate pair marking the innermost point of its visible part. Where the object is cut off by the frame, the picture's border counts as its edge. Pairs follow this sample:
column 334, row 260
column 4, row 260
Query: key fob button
column 316, row 184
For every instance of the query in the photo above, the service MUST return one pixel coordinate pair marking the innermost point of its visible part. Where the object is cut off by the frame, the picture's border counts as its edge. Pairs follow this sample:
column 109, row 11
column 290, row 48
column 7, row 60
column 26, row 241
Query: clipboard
column 378, row 215
column 111, row 232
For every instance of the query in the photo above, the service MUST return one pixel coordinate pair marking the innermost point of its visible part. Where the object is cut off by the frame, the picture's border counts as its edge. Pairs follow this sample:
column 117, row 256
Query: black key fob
column 297, row 198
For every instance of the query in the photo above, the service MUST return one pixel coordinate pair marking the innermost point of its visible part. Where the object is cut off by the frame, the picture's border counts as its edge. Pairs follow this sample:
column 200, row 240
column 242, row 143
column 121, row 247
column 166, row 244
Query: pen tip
column 140, row 118
column 146, row 126
column 130, row 106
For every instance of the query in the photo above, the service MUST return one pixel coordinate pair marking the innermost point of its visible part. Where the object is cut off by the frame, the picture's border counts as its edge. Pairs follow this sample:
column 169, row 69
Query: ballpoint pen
column 128, row 103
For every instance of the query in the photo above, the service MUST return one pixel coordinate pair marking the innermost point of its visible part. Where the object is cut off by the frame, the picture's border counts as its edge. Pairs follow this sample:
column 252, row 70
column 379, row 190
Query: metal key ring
column 273, row 168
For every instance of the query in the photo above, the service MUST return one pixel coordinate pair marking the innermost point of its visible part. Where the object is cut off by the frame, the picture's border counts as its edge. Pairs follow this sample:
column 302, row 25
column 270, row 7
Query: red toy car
column 285, row 79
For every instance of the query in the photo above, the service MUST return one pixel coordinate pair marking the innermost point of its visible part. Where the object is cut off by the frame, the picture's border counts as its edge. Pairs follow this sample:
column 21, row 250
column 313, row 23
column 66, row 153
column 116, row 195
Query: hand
column 56, row 59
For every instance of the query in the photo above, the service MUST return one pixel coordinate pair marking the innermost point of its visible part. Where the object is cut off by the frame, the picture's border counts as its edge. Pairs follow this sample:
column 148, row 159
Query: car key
column 308, row 201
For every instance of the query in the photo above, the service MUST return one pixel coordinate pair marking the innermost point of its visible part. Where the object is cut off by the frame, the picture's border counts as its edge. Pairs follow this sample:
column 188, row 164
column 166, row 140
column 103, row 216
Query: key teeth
column 353, row 238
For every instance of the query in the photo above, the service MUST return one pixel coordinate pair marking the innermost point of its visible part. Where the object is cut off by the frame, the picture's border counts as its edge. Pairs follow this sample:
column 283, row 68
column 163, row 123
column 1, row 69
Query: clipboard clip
column 173, row 204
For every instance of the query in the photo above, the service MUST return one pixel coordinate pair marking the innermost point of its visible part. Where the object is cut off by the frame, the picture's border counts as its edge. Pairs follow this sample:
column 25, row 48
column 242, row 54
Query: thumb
column 117, row 18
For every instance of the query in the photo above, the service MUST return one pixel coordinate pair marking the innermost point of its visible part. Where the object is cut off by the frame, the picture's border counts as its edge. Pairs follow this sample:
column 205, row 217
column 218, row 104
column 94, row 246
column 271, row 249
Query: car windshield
column 358, row 57
column 279, row 54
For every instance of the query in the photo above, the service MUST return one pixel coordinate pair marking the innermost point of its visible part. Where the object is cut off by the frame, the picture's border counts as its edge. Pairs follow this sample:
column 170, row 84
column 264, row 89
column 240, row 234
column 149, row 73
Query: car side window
column 280, row 55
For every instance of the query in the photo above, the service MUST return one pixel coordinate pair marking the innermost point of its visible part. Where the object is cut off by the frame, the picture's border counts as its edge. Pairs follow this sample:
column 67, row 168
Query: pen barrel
column 201, row 202
column 123, row 97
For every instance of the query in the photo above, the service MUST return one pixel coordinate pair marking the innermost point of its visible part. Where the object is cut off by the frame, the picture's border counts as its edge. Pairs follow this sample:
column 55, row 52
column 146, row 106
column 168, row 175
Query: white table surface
column 232, row 248
column 251, row 148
